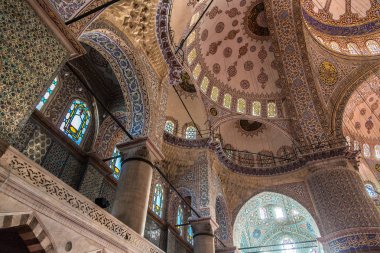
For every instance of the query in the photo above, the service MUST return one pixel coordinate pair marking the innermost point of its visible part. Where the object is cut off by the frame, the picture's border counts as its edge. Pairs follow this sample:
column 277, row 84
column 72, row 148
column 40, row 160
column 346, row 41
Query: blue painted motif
column 129, row 75
column 341, row 30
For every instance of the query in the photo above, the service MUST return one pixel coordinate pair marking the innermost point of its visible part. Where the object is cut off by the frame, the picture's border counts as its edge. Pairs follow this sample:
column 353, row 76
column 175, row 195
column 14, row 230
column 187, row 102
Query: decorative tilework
column 37, row 146
column 28, row 65
column 133, row 89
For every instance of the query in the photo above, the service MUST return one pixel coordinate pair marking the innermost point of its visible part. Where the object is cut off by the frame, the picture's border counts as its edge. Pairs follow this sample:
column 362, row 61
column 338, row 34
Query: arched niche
column 276, row 221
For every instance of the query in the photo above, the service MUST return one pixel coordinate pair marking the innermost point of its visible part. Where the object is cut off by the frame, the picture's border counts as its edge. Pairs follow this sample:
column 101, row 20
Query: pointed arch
column 28, row 223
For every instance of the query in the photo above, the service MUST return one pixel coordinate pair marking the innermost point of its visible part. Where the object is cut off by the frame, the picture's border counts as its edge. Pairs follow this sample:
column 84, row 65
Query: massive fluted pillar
column 349, row 218
column 132, row 195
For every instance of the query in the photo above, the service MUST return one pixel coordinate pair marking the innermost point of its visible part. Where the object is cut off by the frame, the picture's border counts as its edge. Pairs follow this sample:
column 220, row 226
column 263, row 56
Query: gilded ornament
column 328, row 73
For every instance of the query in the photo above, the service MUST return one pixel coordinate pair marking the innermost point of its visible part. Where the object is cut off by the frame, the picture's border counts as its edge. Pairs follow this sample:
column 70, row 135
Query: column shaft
column 349, row 218
column 132, row 194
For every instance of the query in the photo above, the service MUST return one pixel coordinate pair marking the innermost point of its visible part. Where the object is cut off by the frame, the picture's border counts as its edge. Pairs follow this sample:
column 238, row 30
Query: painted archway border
column 9, row 220
column 114, row 50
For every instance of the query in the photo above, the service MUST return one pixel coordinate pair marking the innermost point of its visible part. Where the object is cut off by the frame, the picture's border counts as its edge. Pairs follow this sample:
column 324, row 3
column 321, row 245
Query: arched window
column 240, row 105
column 263, row 213
column 76, row 121
column 320, row 39
column 48, row 93
column 214, row 93
column 371, row 190
column 288, row 245
column 348, row 140
column 191, row 38
column 169, row 127
column 197, row 71
column 377, row 151
column 190, row 234
column 191, row 56
column 335, row 46
column 204, row 84
column 256, row 108
column 272, row 111
column 115, row 164
column 227, row 100
column 158, row 200
column 356, row 145
column 191, row 133
column 353, row 48
column 279, row 213
column 179, row 219
column 373, row 47
column 366, row 150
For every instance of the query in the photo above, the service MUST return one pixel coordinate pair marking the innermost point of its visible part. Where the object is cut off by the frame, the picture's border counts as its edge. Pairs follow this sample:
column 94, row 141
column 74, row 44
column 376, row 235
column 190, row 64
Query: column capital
column 141, row 147
column 335, row 162
column 203, row 226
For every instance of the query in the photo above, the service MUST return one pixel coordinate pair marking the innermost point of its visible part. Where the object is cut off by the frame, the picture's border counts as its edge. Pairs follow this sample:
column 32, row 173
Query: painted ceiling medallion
column 255, row 21
column 213, row 112
column 228, row 60
column 250, row 128
column 328, row 74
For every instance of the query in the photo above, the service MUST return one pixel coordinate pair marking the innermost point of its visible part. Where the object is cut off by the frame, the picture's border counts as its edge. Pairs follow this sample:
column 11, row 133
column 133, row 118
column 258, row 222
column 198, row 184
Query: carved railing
column 266, row 165
column 19, row 173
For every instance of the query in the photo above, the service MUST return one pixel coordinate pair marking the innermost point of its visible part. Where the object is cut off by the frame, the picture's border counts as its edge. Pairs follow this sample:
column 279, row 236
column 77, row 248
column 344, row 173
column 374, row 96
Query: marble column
column 132, row 195
column 203, row 234
column 349, row 219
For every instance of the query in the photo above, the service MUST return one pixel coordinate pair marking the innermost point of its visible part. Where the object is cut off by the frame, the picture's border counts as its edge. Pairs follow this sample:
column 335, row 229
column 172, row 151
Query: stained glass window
column 227, row 100
column 373, row 47
column 356, row 145
column 370, row 190
column 115, row 164
column 335, row 46
column 197, row 71
column 158, row 200
column 204, row 84
column 272, row 111
column 169, row 127
column 191, row 57
column 214, row 93
column 353, row 48
column 179, row 219
column 76, row 121
column 366, row 150
column 256, row 108
column 190, row 234
column 377, row 151
column 48, row 93
column 240, row 105
column 191, row 133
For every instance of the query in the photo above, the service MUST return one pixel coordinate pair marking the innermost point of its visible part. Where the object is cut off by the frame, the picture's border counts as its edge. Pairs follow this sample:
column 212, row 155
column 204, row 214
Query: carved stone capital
column 141, row 147
column 203, row 226
column 336, row 162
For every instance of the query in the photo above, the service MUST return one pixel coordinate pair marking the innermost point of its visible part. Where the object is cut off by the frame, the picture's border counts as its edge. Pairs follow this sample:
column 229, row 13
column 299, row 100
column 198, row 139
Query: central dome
column 231, row 53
